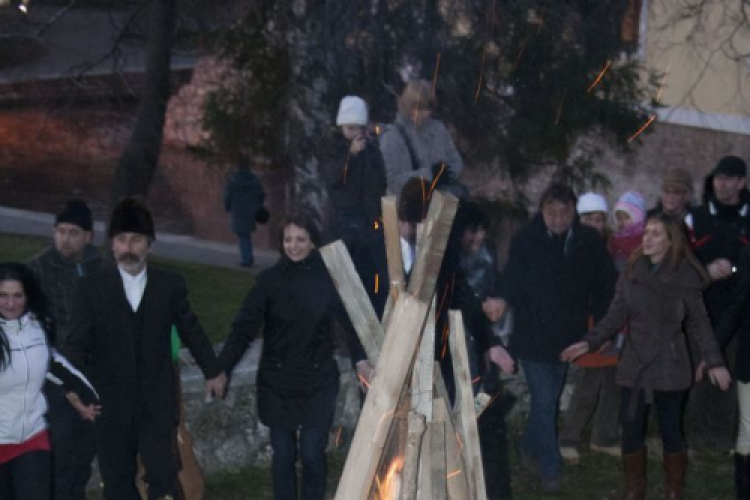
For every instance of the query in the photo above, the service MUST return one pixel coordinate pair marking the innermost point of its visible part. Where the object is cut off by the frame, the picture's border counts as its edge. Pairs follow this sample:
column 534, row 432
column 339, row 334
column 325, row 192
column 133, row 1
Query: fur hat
column 132, row 215
column 731, row 166
column 678, row 178
column 591, row 202
column 352, row 111
column 414, row 200
column 76, row 212
column 634, row 204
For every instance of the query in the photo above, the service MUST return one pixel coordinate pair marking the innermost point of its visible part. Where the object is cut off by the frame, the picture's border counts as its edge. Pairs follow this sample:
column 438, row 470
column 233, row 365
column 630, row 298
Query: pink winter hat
column 634, row 204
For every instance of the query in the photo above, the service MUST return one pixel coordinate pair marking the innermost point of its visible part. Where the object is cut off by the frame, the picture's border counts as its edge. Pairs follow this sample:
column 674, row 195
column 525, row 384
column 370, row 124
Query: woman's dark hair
column 300, row 218
column 35, row 304
column 679, row 248
column 558, row 192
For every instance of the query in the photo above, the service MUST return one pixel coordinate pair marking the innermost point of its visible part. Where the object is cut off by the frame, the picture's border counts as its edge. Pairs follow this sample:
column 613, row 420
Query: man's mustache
column 128, row 258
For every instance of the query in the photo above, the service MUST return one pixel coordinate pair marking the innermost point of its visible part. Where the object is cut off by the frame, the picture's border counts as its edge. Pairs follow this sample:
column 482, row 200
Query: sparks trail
column 661, row 87
column 481, row 76
column 377, row 282
column 644, row 127
column 560, row 107
column 437, row 177
column 520, row 53
column 599, row 77
column 435, row 75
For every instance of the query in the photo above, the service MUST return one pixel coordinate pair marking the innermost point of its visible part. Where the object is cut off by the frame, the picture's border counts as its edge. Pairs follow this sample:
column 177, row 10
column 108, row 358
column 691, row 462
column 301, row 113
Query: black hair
column 36, row 304
column 302, row 219
column 558, row 192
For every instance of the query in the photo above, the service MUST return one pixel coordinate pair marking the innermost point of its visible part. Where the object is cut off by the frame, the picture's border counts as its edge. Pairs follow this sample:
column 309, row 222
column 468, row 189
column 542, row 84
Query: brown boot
column 634, row 465
column 675, row 465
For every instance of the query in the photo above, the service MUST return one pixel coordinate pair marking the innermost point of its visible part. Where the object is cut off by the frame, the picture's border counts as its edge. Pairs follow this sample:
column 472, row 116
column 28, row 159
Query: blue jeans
column 246, row 248
column 539, row 439
column 312, row 449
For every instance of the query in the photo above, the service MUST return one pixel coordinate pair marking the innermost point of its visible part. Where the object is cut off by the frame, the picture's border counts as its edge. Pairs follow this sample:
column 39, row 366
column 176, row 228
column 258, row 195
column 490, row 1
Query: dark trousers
column 246, row 248
column 595, row 393
column 27, row 477
column 73, row 446
column 493, row 440
column 312, row 450
column 118, row 445
column 669, row 407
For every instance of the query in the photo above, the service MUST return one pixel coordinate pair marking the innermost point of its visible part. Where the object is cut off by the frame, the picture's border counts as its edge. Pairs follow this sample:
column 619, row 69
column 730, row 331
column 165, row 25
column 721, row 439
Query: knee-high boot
column 634, row 465
column 675, row 465
column 742, row 476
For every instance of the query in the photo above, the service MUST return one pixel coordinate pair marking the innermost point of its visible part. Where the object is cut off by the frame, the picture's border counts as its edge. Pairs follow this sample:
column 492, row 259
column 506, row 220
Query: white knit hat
column 591, row 202
column 352, row 111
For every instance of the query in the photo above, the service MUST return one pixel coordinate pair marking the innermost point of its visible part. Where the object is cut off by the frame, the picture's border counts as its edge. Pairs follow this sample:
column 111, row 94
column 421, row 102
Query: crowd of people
column 647, row 312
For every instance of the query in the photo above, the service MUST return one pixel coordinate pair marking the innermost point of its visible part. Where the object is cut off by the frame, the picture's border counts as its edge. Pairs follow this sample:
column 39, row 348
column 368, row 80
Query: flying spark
column 435, row 74
column 661, row 87
column 640, row 130
column 560, row 107
column 481, row 76
column 599, row 78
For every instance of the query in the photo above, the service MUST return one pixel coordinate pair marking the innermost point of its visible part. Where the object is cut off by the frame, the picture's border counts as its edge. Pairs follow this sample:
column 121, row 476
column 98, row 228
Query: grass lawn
column 215, row 294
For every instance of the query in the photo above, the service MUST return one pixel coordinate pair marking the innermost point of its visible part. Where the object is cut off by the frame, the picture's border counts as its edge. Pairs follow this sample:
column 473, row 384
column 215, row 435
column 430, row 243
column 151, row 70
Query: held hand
column 719, row 269
column 494, row 308
column 503, row 359
column 216, row 386
column 365, row 372
column 574, row 351
column 720, row 377
column 700, row 371
column 358, row 144
column 87, row 412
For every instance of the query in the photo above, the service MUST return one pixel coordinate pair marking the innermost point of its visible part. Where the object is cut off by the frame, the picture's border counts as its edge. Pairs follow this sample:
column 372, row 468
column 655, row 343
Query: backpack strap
column 407, row 140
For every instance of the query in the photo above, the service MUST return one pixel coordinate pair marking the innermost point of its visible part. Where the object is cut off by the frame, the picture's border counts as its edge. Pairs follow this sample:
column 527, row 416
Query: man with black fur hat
column 719, row 229
column 59, row 268
column 120, row 336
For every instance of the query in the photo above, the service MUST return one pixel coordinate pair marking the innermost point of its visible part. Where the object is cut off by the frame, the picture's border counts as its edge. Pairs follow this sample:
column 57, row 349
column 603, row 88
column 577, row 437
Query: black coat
column 101, row 343
column 720, row 231
column 553, row 293
column 736, row 319
column 243, row 196
column 296, row 303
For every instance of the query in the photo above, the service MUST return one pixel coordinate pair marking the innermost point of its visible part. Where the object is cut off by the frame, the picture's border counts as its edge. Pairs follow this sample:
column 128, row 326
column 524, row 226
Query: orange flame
column 389, row 485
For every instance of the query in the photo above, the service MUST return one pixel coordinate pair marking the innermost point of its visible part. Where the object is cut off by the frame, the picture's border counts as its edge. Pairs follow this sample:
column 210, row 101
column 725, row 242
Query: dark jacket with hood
column 243, row 196
column 355, row 185
column 58, row 278
column 720, row 231
column 661, row 306
column 296, row 304
column 553, row 288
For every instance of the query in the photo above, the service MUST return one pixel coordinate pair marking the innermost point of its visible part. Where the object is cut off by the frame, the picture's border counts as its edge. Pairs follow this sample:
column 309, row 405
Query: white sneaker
column 570, row 455
column 612, row 451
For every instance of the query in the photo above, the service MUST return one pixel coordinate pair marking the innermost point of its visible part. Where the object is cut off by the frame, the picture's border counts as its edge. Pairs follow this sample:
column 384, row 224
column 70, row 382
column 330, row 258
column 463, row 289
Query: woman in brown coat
column 659, row 293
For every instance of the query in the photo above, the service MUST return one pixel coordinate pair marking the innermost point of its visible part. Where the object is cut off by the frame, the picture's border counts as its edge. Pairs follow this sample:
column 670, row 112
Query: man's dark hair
column 558, row 191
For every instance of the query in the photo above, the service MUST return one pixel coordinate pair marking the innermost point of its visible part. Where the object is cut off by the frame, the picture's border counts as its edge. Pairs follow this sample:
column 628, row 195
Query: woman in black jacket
column 298, row 380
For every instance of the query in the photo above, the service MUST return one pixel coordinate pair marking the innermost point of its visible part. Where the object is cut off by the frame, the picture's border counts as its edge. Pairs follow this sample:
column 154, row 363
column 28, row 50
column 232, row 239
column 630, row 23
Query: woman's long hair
column 678, row 250
column 35, row 304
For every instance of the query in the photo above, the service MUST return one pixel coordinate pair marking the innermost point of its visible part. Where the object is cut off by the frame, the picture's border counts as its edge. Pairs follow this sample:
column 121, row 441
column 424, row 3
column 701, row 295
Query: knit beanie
column 678, row 178
column 76, row 212
column 634, row 204
column 352, row 111
column 591, row 202
column 132, row 215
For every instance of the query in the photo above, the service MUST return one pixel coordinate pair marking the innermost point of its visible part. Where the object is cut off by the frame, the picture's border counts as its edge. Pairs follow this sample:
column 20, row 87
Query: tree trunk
column 139, row 160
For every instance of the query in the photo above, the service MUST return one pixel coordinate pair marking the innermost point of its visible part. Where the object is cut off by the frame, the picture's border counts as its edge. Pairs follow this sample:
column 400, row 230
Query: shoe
column 550, row 484
column 570, row 455
column 612, row 451
column 675, row 465
column 634, row 465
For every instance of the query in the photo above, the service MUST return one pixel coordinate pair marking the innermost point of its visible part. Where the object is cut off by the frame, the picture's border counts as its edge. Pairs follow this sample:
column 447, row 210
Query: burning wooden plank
column 391, row 374
column 355, row 298
column 466, row 413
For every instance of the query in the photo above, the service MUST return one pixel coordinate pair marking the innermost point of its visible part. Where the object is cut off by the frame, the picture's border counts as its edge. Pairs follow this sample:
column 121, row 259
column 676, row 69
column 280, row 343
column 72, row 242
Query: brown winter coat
column 661, row 306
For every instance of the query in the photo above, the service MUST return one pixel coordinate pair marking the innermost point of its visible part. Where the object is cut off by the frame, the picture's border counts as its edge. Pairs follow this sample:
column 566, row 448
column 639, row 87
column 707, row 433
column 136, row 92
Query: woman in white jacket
column 26, row 360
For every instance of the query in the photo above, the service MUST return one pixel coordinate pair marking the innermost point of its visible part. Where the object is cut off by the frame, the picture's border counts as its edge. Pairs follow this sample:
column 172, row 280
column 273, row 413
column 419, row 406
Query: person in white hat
column 592, row 210
column 354, row 175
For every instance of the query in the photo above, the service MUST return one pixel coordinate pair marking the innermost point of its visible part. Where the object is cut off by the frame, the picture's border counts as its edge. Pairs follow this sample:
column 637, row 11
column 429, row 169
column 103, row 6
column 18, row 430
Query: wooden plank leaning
column 466, row 420
column 353, row 295
column 391, row 374
column 396, row 278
